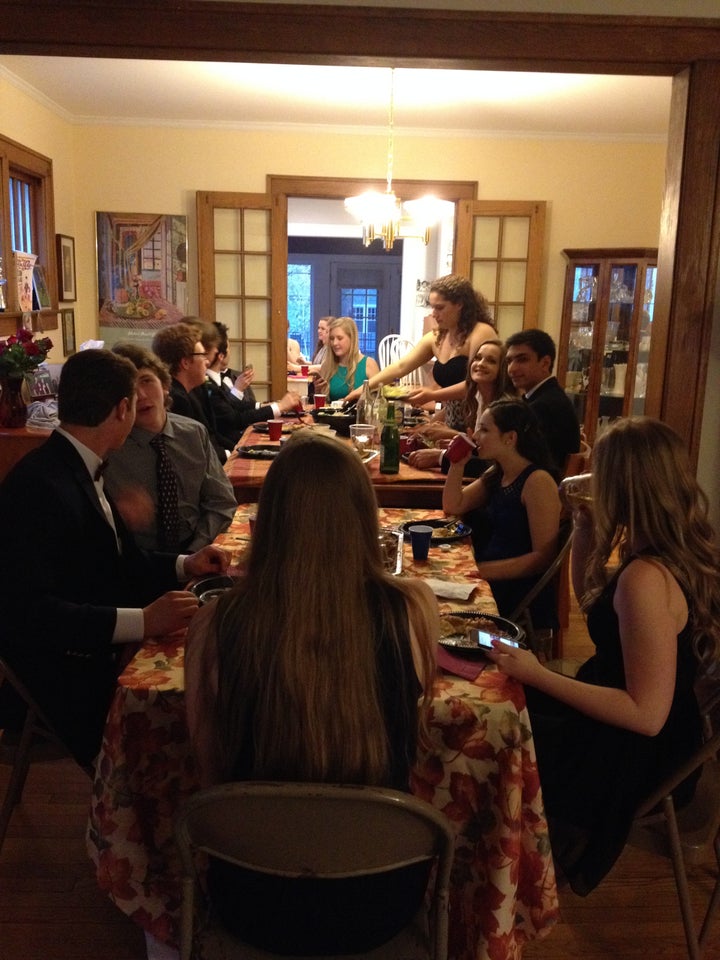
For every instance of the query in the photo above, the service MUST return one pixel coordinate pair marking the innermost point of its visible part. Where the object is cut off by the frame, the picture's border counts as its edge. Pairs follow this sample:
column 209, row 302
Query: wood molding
column 345, row 35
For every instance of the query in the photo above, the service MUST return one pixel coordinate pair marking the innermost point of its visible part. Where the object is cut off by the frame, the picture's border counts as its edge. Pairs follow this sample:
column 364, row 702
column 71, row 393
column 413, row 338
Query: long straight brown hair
column 296, row 640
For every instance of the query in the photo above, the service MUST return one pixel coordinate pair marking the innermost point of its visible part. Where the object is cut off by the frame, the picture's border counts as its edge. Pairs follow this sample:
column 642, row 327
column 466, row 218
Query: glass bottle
column 390, row 443
column 365, row 404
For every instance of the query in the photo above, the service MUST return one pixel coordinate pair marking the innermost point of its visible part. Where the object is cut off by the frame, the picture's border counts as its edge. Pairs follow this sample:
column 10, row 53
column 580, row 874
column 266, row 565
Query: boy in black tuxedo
column 77, row 588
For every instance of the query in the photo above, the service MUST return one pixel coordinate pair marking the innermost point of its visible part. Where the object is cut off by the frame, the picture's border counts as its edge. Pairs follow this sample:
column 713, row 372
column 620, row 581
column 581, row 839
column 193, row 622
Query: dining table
column 479, row 768
column 250, row 461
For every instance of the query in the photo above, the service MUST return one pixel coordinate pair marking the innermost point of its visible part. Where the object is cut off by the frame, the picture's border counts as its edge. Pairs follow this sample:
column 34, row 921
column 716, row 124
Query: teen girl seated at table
column 487, row 380
column 344, row 367
column 607, row 737
column 311, row 669
column 520, row 501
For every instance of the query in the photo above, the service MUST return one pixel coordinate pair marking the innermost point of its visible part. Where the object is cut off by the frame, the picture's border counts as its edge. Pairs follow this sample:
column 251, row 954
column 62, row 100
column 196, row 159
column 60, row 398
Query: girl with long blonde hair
column 608, row 736
column 344, row 367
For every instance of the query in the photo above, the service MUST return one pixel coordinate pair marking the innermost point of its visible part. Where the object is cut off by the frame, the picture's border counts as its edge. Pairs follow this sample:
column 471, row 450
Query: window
column 27, row 221
column 300, row 310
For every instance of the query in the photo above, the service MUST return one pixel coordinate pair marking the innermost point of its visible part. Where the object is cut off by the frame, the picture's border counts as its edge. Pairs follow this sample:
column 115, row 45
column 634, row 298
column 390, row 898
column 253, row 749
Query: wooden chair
column 686, row 836
column 294, row 831
column 36, row 727
column 541, row 642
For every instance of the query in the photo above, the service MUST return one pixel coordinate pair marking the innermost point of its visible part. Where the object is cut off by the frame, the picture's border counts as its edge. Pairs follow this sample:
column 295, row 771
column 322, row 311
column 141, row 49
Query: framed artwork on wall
column 142, row 274
column 66, row 268
column 67, row 317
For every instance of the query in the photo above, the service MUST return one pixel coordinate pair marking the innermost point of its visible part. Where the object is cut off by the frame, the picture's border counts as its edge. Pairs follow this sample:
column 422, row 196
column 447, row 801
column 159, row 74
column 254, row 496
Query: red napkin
column 459, row 666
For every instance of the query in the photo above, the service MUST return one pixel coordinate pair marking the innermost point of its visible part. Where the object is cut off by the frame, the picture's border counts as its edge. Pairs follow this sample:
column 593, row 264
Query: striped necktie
column 167, row 515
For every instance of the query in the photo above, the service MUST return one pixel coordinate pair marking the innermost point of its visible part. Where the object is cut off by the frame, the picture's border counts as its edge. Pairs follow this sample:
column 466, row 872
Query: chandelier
column 383, row 215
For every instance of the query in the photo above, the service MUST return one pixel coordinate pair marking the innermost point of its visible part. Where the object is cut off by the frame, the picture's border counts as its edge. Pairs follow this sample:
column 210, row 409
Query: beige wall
column 598, row 193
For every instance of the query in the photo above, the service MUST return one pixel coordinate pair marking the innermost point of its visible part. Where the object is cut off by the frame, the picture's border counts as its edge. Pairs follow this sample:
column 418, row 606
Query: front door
column 368, row 294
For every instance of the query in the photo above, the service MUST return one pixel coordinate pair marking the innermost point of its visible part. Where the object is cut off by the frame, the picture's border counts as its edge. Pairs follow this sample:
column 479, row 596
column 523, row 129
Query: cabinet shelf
column 606, row 355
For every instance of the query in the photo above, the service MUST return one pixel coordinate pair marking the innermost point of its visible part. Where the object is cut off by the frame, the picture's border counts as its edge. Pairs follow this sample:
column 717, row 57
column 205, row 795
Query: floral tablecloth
column 480, row 771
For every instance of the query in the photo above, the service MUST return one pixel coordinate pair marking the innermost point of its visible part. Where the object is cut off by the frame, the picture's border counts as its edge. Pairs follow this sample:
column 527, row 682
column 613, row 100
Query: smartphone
column 484, row 639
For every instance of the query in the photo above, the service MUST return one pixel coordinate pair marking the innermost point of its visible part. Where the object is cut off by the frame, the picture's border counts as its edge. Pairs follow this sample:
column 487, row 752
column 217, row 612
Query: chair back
column 522, row 614
column 687, row 836
column 295, row 830
column 579, row 462
column 386, row 350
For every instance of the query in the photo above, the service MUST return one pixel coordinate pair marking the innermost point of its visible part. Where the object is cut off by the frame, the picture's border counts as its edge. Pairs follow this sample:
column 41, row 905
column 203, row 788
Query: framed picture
column 41, row 294
column 66, row 267
column 68, row 330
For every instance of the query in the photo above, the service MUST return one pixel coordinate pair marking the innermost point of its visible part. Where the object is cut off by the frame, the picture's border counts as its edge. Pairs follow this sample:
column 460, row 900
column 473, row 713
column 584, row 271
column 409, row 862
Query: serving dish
column 445, row 531
column 455, row 627
column 337, row 419
column 391, row 546
column 210, row 588
column 258, row 451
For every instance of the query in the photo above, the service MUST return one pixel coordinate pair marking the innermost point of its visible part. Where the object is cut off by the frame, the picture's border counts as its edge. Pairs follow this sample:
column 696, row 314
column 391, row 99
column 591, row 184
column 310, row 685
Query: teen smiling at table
column 608, row 736
column 344, row 367
column 521, row 501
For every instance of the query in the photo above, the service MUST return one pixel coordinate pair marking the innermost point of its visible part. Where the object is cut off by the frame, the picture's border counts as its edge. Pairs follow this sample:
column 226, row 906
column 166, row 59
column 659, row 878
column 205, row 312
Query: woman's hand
column 516, row 662
column 418, row 398
column 436, row 431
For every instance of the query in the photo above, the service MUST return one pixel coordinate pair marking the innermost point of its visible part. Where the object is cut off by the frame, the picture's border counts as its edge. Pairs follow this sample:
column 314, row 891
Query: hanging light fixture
column 383, row 215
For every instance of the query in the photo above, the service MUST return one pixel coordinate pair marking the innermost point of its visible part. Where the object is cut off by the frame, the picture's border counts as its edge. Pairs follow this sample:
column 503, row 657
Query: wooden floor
column 52, row 909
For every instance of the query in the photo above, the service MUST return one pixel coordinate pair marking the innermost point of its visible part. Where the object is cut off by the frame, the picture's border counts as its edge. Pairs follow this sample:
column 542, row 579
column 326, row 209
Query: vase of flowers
column 20, row 354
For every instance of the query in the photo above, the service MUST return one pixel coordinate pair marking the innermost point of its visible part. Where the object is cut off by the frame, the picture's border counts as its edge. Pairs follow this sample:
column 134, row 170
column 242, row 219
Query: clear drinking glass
column 575, row 491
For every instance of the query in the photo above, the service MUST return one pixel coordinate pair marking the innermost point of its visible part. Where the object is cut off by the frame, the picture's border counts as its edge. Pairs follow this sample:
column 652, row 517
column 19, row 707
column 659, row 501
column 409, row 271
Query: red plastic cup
column 304, row 369
column 319, row 401
column 459, row 448
column 275, row 429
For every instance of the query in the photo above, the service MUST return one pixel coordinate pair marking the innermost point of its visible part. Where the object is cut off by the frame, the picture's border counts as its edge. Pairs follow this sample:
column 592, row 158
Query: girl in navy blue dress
column 607, row 737
column 517, row 499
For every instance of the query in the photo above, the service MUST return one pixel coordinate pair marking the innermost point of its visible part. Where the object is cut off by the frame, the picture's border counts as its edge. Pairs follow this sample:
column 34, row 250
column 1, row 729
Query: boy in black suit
column 530, row 359
column 76, row 586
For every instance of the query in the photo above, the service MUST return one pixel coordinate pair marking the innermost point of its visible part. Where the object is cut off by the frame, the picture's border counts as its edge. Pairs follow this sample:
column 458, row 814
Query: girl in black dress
column 607, row 737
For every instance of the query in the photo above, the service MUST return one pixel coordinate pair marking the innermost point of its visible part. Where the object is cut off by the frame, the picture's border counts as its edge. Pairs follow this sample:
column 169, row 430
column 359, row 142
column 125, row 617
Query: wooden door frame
column 687, row 49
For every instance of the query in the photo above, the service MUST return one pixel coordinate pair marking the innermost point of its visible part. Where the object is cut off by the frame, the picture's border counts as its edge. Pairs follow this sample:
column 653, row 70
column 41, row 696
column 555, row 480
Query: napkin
column 452, row 589
column 467, row 669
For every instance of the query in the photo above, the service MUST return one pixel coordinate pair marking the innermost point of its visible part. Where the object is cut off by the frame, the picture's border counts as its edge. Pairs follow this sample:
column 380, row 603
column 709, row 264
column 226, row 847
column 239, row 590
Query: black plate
column 476, row 653
column 264, row 428
column 258, row 451
column 463, row 530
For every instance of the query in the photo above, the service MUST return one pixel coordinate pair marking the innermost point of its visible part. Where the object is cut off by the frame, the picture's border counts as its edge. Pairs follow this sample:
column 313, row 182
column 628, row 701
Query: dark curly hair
column 474, row 307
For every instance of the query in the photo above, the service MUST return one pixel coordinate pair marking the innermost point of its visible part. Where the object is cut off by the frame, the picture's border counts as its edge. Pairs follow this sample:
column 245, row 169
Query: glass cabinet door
column 580, row 360
column 606, row 329
column 647, row 308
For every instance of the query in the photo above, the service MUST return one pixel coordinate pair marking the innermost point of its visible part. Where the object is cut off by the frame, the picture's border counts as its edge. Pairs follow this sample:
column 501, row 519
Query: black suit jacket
column 196, row 405
column 63, row 578
column 558, row 421
column 231, row 414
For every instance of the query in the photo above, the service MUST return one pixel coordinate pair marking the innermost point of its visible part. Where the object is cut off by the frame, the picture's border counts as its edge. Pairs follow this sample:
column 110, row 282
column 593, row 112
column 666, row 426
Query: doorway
column 337, row 276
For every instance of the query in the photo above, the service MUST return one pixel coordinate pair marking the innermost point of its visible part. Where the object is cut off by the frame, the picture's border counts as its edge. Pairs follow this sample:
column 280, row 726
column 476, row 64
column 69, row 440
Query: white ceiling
column 272, row 96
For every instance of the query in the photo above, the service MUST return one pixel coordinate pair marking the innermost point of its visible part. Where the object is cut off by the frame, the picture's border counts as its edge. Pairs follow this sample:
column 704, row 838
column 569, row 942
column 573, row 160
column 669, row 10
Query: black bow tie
column 100, row 470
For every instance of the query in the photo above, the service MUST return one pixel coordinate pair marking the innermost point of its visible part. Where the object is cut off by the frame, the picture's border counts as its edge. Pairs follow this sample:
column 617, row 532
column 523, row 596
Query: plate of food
column 258, row 451
column 469, row 633
column 444, row 531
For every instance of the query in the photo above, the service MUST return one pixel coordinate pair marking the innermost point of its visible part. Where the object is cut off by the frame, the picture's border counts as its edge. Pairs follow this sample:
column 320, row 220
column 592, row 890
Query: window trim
column 16, row 159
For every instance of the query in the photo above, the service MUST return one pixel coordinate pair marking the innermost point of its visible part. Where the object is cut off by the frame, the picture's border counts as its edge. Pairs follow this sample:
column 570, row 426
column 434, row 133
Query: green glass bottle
column 390, row 443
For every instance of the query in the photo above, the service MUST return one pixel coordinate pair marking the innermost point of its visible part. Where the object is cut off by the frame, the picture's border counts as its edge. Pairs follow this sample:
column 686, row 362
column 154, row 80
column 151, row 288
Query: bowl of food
column 336, row 419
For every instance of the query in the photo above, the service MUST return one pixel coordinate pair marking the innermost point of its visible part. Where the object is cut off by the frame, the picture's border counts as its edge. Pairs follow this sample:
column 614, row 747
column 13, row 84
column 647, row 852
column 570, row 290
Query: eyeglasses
column 198, row 354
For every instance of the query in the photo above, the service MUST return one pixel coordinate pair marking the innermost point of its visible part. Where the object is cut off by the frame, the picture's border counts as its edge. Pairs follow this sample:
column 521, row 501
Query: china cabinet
column 605, row 335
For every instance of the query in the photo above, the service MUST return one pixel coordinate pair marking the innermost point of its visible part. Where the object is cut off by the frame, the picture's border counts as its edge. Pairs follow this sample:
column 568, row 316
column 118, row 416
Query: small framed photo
column 66, row 268
column 67, row 317
column 41, row 294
